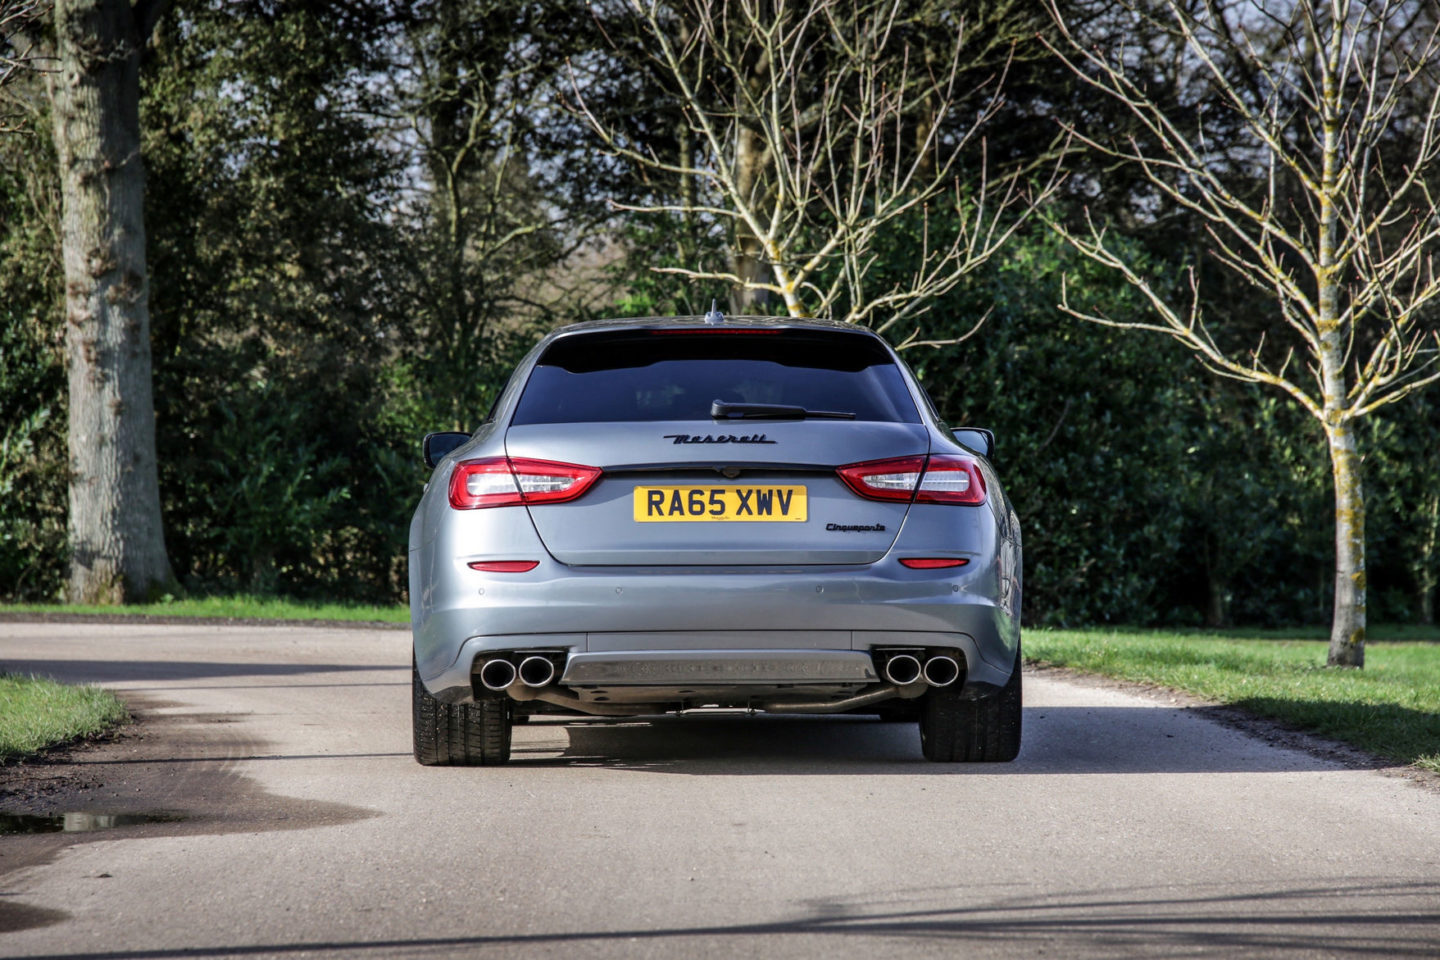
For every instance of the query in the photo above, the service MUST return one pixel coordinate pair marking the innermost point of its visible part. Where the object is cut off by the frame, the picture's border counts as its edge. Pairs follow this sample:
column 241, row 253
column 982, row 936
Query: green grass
column 1381, row 631
column 240, row 607
column 37, row 713
column 1390, row 708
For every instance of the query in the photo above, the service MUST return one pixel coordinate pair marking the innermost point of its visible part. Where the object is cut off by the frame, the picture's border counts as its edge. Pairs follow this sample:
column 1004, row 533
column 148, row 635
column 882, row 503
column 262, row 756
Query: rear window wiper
column 721, row 410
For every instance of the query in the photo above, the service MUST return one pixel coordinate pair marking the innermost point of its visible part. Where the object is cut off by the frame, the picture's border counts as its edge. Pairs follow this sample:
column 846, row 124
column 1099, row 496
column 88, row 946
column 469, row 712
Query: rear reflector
column 504, row 566
column 937, row 479
column 931, row 563
column 505, row 482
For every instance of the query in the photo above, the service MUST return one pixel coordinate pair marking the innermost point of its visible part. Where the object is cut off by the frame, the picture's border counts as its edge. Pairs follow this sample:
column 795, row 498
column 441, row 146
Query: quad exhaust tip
column 501, row 674
column 535, row 671
column 902, row 669
column 497, row 674
column 941, row 671
column 906, row 670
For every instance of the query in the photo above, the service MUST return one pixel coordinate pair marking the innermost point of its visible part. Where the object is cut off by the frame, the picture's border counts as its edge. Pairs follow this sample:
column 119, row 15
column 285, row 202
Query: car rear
column 675, row 515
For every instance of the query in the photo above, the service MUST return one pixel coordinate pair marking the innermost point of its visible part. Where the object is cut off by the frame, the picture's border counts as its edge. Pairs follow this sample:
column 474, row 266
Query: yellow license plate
column 742, row 503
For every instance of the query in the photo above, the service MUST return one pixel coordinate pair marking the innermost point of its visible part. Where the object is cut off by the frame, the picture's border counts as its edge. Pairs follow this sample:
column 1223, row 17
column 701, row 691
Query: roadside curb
column 150, row 618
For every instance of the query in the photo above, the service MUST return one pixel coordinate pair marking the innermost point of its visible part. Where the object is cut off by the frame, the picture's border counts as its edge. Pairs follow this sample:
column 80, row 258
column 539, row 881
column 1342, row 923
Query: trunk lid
column 711, row 492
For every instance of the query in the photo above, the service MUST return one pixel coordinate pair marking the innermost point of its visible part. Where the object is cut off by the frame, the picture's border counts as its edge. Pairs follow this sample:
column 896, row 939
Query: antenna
column 714, row 316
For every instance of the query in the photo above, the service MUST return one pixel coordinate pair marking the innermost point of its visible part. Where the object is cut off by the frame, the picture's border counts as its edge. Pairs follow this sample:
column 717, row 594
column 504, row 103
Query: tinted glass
column 666, row 375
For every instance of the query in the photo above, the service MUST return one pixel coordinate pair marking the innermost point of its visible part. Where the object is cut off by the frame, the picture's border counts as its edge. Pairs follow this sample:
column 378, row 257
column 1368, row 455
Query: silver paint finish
column 600, row 527
column 668, row 592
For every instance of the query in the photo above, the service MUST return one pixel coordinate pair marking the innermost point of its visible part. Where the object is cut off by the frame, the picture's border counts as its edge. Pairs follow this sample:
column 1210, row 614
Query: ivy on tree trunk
column 116, row 540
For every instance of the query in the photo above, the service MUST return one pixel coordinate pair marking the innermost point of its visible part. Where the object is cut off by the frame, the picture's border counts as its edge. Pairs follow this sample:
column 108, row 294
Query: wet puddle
column 11, row 823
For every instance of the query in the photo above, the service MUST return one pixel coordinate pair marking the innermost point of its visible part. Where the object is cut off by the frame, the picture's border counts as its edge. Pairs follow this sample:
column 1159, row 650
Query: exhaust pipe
column 878, row 695
column 941, row 671
column 560, row 698
column 902, row 669
column 536, row 671
column 497, row 674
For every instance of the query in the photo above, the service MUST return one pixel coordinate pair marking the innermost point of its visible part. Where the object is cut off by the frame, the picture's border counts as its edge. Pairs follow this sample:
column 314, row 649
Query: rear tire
column 987, row 730
column 459, row 734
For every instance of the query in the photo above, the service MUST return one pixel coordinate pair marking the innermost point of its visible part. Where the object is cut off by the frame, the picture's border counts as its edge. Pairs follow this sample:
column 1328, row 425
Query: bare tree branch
column 819, row 134
column 19, row 49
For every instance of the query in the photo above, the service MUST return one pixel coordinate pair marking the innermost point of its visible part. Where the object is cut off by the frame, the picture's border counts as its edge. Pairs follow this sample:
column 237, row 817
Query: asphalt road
column 1130, row 826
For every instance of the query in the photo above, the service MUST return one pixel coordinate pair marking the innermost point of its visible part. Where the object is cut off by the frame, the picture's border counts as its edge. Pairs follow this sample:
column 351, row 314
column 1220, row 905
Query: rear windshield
column 641, row 375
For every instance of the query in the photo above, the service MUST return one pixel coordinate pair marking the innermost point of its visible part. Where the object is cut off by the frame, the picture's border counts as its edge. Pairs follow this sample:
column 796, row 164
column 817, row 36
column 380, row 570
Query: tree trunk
column 1347, row 624
column 453, row 336
column 115, row 531
column 1424, row 565
column 686, row 246
column 929, row 116
column 1347, row 629
column 749, row 254
column 1217, row 599
column 1217, row 607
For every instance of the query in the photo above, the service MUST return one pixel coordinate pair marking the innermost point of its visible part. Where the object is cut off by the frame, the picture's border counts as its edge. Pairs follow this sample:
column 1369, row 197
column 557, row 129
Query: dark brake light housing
column 942, row 478
column 513, row 481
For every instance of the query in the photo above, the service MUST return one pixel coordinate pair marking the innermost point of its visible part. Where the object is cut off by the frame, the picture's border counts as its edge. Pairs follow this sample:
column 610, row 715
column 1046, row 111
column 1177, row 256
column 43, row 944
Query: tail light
column 937, row 479
column 508, row 482
column 951, row 479
column 884, row 479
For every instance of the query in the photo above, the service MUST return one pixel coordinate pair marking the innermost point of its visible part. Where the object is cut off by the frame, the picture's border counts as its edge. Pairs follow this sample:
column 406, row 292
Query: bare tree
column 1321, row 200
column 817, row 129
column 116, row 539
column 19, row 49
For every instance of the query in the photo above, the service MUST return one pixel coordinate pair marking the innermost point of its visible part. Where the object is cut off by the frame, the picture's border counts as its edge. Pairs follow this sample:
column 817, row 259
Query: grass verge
column 239, row 607
column 36, row 713
column 1391, row 708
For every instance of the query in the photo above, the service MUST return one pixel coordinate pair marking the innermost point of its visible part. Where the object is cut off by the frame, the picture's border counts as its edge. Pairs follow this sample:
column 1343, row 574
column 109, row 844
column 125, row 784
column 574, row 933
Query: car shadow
column 1057, row 740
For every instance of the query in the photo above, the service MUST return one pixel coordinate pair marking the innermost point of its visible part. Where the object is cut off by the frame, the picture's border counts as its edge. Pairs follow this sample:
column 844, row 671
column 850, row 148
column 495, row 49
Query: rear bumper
column 711, row 627
column 664, row 675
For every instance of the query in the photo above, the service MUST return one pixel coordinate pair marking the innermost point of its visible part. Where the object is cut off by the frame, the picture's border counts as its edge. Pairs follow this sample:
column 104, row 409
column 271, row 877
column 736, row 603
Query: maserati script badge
column 723, row 438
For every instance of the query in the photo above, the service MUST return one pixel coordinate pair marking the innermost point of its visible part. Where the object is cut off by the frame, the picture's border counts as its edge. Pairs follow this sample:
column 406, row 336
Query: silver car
column 663, row 515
